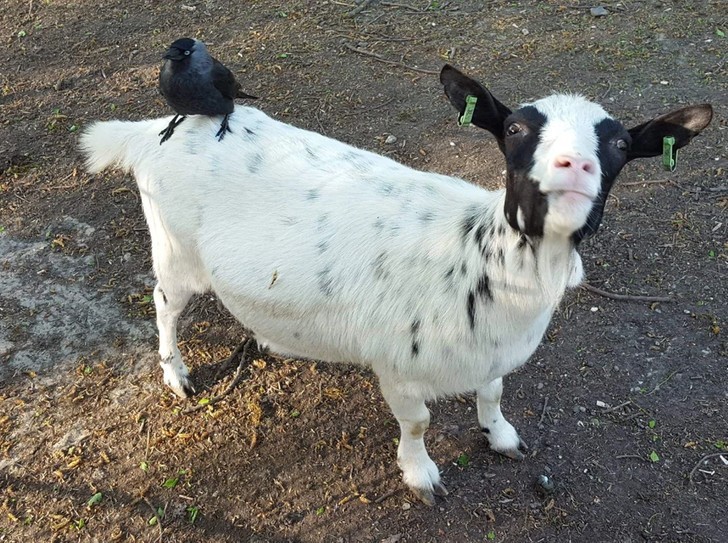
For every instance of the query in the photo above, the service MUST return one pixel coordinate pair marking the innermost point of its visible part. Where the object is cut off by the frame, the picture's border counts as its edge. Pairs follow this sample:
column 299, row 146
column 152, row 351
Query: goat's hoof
column 515, row 454
column 427, row 495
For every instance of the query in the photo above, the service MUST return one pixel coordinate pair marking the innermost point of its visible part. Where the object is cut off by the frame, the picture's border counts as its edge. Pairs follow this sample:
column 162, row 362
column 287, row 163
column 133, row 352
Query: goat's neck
column 536, row 269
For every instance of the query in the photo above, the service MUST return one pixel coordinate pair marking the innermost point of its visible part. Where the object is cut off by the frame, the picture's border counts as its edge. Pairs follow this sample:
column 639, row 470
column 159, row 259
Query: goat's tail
column 116, row 143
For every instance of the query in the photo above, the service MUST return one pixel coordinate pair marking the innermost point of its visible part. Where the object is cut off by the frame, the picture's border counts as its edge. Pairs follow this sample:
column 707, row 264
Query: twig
column 543, row 411
column 648, row 182
column 620, row 406
column 156, row 516
column 658, row 385
column 386, row 495
column 629, row 456
column 403, row 6
column 386, row 61
column 368, row 109
column 361, row 7
column 703, row 459
column 625, row 297
column 238, row 375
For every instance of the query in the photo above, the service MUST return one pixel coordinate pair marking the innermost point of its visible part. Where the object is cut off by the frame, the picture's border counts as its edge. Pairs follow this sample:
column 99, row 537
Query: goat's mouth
column 571, row 195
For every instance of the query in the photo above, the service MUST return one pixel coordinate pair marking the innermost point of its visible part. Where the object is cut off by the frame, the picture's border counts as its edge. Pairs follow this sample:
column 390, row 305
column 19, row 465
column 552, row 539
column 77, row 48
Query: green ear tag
column 467, row 117
column 669, row 153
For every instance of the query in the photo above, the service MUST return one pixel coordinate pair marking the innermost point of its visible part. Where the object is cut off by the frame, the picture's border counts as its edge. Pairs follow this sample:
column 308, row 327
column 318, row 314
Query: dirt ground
column 624, row 406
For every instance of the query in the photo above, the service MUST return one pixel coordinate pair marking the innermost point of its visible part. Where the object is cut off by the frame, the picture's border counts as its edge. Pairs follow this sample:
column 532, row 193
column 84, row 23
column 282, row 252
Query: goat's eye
column 187, row 53
column 622, row 145
column 513, row 128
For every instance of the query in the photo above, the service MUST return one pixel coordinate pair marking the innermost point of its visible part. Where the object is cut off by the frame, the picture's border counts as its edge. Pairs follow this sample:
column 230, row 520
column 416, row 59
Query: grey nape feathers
column 194, row 83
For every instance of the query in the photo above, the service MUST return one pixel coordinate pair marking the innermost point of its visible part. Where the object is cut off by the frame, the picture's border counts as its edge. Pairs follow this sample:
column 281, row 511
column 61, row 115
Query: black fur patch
column 611, row 160
column 521, row 191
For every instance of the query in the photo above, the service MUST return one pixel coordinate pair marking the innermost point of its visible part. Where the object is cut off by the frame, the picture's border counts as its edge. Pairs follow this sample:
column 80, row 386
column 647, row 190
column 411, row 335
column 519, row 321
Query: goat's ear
column 489, row 113
column 682, row 124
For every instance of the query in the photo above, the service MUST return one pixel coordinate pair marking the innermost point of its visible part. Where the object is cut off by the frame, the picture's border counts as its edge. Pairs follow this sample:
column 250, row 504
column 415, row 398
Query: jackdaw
column 194, row 83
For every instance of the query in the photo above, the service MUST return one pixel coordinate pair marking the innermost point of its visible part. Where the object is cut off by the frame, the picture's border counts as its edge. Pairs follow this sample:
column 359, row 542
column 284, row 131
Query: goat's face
column 563, row 153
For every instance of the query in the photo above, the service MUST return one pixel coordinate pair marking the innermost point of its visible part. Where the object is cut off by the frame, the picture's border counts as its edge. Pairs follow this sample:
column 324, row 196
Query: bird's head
column 181, row 49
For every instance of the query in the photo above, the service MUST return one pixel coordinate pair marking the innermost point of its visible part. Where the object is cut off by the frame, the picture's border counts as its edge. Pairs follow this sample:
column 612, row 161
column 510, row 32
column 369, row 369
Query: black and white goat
column 330, row 252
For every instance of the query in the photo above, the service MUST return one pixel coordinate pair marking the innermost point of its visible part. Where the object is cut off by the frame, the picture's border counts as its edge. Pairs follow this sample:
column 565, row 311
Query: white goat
column 329, row 252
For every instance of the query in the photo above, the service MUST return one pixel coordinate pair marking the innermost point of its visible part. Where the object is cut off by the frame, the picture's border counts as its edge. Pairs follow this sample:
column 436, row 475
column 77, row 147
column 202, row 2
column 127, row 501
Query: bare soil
column 625, row 405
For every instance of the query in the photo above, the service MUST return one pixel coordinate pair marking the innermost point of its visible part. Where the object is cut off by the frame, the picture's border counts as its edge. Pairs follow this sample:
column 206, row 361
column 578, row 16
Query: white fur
column 334, row 253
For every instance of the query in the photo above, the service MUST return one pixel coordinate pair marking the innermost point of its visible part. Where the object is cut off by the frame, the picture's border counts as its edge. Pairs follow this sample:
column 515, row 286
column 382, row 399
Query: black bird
column 194, row 83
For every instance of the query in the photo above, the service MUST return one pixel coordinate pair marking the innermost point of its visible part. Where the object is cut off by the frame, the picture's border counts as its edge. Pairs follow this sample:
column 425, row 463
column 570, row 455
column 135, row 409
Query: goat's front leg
column 169, row 303
column 501, row 435
column 419, row 472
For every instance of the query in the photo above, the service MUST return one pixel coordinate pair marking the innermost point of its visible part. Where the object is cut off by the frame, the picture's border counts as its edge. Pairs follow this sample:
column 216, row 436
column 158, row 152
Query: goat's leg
column 501, row 434
column 419, row 472
column 169, row 303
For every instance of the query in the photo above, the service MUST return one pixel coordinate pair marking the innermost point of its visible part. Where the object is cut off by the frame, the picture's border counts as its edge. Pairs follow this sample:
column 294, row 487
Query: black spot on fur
column 463, row 269
column 449, row 273
column 479, row 235
column 414, row 329
column 256, row 161
column 468, row 224
column 164, row 296
column 296, row 335
column 322, row 222
column 486, row 430
column 312, row 194
column 426, row 216
column 386, row 188
column 471, row 309
column 249, row 132
column 522, row 242
column 379, row 225
column 325, row 282
column 322, row 246
column 379, row 266
column 483, row 288
column 311, row 153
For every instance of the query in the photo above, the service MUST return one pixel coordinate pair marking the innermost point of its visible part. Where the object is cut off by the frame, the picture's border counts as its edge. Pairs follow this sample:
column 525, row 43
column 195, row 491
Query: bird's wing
column 225, row 82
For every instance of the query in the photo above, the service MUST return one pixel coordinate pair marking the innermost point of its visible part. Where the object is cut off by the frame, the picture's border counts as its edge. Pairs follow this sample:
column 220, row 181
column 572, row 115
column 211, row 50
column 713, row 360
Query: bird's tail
column 117, row 143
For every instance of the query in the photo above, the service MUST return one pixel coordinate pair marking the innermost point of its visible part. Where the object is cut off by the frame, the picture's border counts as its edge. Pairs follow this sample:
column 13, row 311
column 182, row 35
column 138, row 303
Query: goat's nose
column 578, row 164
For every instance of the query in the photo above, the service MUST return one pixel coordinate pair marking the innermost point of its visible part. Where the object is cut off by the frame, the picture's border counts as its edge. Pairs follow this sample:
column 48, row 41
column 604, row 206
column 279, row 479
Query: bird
column 194, row 83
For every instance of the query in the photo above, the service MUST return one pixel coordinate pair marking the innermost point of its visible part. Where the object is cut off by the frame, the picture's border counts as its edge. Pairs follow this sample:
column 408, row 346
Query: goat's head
column 564, row 152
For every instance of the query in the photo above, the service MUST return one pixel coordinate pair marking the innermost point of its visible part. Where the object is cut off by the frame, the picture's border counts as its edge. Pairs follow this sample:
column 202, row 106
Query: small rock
column 544, row 484
column 599, row 11
column 390, row 139
column 539, row 386
column 525, row 31
column 73, row 437
column 601, row 404
column 406, row 506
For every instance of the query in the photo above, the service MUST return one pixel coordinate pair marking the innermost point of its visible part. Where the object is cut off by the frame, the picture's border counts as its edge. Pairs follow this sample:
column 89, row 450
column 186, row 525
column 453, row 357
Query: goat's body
column 329, row 252
column 395, row 294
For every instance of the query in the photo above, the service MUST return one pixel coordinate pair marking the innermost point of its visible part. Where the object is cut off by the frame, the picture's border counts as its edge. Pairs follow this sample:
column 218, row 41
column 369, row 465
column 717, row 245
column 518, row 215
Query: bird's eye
column 187, row 53
column 513, row 128
column 622, row 145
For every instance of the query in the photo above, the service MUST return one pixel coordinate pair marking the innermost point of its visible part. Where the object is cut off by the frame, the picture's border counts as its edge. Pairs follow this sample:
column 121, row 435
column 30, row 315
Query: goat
column 329, row 252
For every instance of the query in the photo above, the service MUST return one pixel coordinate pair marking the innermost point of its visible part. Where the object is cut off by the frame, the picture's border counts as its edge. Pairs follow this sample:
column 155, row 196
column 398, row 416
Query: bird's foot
column 223, row 128
column 167, row 132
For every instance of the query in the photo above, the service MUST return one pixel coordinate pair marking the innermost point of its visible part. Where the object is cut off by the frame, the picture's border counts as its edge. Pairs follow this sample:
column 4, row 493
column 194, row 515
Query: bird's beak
column 172, row 54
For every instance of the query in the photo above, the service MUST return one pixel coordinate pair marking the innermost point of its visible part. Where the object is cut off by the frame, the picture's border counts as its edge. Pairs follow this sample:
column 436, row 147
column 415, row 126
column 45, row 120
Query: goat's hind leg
column 501, row 434
column 169, row 302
